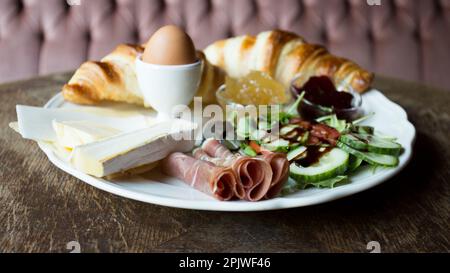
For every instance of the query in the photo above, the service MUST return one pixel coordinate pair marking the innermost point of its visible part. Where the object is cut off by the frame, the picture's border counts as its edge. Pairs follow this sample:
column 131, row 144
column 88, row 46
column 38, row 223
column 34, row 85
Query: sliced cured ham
column 204, row 176
column 280, row 172
column 254, row 174
column 216, row 149
column 202, row 155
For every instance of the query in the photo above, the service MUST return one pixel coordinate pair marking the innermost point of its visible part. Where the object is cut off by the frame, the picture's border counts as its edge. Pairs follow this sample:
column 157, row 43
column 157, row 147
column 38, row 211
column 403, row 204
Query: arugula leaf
column 385, row 137
column 342, row 125
column 290, row 112
column 247, row 150
column 333, row 121
column 284, row 118
column 290, row 187
column 326, row 184
column 363, row 118
column 331, row 183
column 293, row 109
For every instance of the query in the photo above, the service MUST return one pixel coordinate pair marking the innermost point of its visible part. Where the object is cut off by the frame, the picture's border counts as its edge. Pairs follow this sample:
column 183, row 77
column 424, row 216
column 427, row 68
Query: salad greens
column 293, row 186
column 322, row 153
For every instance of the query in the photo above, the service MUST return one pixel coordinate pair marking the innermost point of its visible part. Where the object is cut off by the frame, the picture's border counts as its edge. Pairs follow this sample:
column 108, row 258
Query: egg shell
column 170, row 45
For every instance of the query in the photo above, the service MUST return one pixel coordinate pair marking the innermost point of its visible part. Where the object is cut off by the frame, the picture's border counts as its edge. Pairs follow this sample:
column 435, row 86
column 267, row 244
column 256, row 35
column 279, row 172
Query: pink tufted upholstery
column 403, row 38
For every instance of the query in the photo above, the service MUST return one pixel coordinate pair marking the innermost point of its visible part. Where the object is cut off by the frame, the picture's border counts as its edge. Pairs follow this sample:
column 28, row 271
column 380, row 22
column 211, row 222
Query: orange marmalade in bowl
column 257, row 88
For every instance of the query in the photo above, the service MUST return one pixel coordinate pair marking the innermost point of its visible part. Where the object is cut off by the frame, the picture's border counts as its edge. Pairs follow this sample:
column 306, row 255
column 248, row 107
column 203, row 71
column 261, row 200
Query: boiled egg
column 170, row 45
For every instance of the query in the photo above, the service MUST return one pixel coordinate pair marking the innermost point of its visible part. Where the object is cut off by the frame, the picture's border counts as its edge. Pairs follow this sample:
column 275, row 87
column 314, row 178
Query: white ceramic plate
column 158, row 189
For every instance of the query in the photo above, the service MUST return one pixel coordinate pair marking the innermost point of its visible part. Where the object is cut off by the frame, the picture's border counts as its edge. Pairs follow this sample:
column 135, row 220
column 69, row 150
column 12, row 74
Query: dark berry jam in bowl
column 323, row 99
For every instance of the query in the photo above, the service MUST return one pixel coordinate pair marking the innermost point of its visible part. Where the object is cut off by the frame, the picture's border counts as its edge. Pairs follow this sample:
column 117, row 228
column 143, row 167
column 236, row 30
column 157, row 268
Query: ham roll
column 204, row 176
column 254, row 174
column 202, row 155
column 280, row 172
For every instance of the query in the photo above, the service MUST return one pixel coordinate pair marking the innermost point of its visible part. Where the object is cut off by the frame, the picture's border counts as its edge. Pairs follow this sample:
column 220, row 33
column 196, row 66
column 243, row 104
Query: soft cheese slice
column 75, row 133
column 35, row 123
column 130, row 150
column 14, row 126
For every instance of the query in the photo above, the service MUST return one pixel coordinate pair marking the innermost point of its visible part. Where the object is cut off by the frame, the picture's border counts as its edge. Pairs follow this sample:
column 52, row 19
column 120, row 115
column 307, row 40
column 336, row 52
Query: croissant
column 285, row 55
column 114, row 79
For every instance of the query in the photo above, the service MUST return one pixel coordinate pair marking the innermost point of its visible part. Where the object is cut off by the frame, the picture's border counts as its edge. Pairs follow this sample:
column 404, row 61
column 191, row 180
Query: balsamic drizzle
column 313, row 156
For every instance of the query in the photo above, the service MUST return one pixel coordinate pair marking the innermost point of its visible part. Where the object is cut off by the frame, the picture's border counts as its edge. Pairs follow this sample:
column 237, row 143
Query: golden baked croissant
column 114, row 79
column 284, row 55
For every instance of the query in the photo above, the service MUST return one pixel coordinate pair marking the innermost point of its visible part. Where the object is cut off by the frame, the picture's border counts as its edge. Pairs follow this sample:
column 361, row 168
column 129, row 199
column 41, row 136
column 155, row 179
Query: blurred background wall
column 408, row 39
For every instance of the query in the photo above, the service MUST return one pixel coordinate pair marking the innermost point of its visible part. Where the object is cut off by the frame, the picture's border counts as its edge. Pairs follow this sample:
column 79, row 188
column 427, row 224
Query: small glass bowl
column 223, row 102
column 232, row 108
column 311, row 110
column 230, row 105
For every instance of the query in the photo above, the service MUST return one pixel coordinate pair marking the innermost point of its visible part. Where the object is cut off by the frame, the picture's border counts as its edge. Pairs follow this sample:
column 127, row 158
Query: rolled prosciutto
column 202, row 155
column 254, row 174
column 280, row 172
column 202, row 175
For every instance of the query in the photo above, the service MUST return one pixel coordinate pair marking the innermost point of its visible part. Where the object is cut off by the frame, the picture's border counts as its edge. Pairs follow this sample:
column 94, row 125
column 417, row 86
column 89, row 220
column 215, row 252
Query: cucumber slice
column 232, row 145
column 245, row 126
column 371, row 158
column 279, row 145
column 258, row 135
column 295, row 153
column 353, row 163
column 370, row 143
column 353, row 142
column 332, row 164
column 287, row 129
column 382, row 146
column 363, row 130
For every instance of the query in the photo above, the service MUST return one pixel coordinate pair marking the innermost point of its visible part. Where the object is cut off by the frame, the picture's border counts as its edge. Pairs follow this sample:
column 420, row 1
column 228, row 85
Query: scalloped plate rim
column 323, row 195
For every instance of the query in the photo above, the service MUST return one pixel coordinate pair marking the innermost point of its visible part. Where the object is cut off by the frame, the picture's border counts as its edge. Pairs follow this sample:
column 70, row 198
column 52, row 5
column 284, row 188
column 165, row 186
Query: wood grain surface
column 42, row 208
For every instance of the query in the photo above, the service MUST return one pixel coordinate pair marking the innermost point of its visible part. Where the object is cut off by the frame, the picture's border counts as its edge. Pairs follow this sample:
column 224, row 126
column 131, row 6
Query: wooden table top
column 43, row 208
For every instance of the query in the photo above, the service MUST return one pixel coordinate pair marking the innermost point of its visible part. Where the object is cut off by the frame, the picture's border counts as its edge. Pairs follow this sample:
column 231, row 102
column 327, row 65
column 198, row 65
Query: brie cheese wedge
column 134, row 149
column 70, row 134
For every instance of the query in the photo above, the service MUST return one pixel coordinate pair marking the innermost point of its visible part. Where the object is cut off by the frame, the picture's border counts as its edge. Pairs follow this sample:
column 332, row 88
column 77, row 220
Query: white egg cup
column 167, row 86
